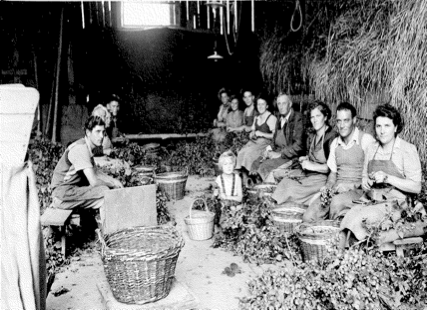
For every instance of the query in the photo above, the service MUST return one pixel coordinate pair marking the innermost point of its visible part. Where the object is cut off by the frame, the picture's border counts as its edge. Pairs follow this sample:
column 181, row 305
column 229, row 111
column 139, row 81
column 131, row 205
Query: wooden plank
column 414, row 240
column 55, row 217
column 130, row 207
column 164, row 136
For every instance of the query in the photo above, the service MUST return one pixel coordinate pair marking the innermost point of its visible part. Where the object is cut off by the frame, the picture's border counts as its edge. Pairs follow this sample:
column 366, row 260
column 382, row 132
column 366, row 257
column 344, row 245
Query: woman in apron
column 301, row 184
column 391, row 173
column 260, row 136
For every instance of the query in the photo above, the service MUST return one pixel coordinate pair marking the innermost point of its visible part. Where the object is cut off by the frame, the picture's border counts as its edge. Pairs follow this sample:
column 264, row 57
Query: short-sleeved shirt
column 404, row 156
column 69, row 170
column 365, row 141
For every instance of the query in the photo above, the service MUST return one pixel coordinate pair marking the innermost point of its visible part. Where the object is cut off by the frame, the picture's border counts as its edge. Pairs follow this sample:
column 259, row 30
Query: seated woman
column 392, row 169
column 234, row 117
column 312, row 173
column 262, row 132
column 219, row 122
column 249, row 114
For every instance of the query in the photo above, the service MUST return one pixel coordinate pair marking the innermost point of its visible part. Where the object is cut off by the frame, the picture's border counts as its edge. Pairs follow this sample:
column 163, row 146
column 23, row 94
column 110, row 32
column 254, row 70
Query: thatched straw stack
column 386, row 57
column 374, row 52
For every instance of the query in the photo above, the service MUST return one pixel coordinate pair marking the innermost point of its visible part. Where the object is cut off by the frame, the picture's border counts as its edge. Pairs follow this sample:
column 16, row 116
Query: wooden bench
column 57, row 217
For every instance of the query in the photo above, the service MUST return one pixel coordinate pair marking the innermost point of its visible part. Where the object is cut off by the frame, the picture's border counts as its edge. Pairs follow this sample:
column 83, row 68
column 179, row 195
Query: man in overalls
column 345, row 162
column 288, row 140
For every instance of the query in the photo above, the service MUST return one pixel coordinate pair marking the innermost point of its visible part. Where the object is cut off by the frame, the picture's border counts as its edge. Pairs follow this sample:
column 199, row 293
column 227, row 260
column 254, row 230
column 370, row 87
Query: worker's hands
column 273, row 155
column 367, row 183
column 117, row 184
column 378, row 177
column 302, row 158
column 306, row 165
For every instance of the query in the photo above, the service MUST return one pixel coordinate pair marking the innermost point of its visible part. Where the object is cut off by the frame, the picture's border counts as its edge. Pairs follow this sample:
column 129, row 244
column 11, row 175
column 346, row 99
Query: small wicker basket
column 314, row 238
column 145, row 174
column 172, row 184
column 288, row 215
column 200, row 223
column 140, row 262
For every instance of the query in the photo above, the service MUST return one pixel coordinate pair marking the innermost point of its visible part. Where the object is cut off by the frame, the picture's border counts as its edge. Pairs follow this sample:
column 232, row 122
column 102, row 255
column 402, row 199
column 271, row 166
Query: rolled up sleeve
column 332, row 161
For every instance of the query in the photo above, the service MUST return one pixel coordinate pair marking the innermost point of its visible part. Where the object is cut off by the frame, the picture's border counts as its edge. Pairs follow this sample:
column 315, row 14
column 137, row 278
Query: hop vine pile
column 248, row 230
column 356, row 279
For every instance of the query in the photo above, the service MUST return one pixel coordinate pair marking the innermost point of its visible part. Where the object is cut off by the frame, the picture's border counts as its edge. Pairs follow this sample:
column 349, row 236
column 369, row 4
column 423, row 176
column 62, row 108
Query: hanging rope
column 297, row 8
column 235, row 32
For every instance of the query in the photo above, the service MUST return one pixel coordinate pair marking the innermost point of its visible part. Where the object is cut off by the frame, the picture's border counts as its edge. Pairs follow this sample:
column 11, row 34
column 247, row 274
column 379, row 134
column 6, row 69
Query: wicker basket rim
column 174, row 237
column 316, row 235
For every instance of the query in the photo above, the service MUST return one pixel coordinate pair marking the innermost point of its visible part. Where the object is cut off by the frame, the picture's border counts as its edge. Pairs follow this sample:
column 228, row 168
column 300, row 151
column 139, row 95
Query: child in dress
column 229, row 184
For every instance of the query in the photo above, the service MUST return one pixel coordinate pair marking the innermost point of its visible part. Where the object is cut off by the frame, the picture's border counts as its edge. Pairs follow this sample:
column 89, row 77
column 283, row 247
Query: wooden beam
column 161, row 136
column 58, row 70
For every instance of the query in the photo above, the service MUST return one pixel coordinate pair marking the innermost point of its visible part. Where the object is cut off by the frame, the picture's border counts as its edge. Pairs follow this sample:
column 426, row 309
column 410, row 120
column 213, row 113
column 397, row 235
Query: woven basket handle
column 192, row 205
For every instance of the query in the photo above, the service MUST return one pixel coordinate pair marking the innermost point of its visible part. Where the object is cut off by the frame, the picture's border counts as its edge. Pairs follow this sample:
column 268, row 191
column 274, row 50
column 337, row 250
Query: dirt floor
column 199, row 272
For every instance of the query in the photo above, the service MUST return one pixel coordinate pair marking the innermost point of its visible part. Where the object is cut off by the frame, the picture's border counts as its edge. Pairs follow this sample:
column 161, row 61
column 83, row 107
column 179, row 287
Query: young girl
column 229, row 184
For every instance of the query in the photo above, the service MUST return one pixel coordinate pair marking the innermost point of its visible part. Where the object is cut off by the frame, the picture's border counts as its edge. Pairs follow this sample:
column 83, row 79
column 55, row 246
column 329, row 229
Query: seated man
column 76, row 183
column 107, row 146
column 345, row 162
column 287, row 144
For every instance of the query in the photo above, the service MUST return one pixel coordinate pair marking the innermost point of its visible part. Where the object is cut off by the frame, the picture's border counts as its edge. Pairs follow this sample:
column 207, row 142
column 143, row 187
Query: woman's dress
column 403, row 163
column 254, row 148
column 301, row 185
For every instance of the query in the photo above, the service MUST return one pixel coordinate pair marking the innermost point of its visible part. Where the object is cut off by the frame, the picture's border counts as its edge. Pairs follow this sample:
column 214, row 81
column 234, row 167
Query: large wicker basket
column 172, row 184
column 140, row 262
column 315, row 238
column 288, row 215
column 200, row 223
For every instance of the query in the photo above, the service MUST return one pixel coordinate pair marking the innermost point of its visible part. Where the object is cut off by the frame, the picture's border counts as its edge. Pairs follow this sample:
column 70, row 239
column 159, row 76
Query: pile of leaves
column 195, row 156
column 355, row 279
column 135, row 154
column 248, row 230
column 44, row 154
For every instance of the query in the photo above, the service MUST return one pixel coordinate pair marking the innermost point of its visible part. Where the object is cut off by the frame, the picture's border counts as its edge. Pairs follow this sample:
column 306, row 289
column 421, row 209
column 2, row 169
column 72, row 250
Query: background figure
column 250, row 111
column 345, row 163
column 392, row 169
column 107, row 146
column 234, row 117
column 113, row 105
column 262, row 132
column 312, row 173
column 288, row 140
column 220, row 121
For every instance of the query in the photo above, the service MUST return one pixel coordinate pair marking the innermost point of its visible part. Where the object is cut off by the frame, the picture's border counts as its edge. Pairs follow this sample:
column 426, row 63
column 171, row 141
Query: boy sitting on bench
column 76, row 183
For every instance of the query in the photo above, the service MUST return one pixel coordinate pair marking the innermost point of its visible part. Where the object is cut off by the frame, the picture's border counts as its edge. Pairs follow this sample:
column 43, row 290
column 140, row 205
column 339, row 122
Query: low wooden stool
column 406, row 244
column 57, row 217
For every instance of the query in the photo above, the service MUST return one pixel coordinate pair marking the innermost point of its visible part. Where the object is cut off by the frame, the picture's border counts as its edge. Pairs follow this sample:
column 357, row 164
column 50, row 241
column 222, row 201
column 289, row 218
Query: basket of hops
column 262, row 190
column 315, row 238
column 140, row 262
column 288, row 215
column 200, row 223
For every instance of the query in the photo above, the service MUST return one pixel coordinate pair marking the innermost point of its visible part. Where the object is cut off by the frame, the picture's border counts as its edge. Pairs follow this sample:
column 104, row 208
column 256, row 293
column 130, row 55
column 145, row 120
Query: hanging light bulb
column 215, row 56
